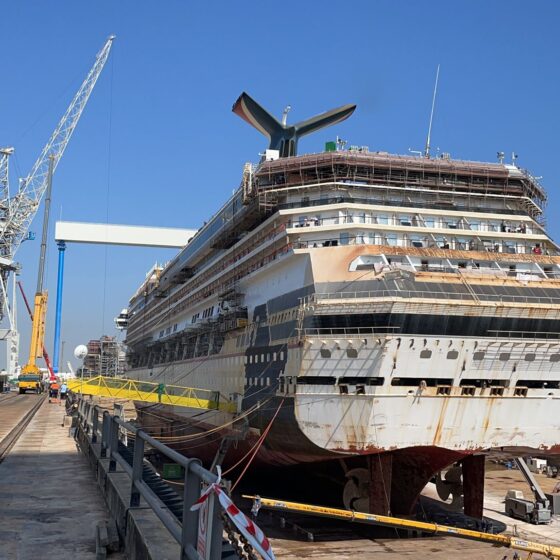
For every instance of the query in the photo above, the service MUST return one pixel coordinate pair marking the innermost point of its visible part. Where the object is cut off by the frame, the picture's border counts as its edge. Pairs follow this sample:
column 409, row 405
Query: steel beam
column 116, row 234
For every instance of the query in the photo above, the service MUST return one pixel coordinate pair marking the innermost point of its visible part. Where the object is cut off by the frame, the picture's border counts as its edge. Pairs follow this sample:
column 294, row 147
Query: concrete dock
column 49, row 500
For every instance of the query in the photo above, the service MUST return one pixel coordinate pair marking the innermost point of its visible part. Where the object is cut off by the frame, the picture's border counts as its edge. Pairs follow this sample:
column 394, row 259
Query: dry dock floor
column 498, row 482
column 49, row 500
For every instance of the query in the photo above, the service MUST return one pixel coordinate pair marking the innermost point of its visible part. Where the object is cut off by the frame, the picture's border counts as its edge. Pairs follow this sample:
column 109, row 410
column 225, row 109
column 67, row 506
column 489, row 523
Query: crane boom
column 24, row 205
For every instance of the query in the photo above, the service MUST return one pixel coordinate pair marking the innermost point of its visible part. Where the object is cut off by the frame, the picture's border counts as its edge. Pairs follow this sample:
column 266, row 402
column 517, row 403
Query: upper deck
column 381, row 168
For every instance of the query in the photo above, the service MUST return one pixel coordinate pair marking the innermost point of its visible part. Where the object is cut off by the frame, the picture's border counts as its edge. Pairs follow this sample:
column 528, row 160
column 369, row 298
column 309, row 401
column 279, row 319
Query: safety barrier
column 121, row 388
column 99, row 426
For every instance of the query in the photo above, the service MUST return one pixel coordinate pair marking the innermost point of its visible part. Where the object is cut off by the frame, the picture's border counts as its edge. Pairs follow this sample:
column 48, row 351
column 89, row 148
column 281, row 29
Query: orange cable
column 265, row 433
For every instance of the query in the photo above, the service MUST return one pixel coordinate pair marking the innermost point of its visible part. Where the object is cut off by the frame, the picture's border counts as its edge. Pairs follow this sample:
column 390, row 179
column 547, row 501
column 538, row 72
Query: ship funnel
column 284, row 137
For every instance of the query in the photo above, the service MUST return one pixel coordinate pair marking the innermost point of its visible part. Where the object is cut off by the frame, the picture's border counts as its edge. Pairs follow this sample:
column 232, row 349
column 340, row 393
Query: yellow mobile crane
column 30, row 378
column 23, row 207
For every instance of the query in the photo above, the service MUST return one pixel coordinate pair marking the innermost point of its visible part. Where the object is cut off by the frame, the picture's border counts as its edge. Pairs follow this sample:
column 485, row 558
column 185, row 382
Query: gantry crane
column 18, row 211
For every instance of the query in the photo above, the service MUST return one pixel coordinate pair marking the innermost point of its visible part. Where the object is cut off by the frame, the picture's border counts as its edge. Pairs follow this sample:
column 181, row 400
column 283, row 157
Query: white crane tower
column 17, row 211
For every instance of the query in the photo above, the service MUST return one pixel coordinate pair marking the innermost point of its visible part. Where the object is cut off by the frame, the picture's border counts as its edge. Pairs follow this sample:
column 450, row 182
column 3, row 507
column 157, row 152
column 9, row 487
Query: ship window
column 504, row 356
column 250, row 359
column 452, row 355
column 262, row 358
column 443, row 390
column 268, row 381
column 274, row 356
column 351, row 353
column 325, row 353
column 555, row 357
column 344, row 238
column 478, row 356
column 371, row 381
column 538, row 384
column 268, row 357
column 316, row 380
column 281, row 356
column 530, row 357
column 468, row 390
column 417, row 381
column 496, row 391
column 520, row 392
column 426, row 354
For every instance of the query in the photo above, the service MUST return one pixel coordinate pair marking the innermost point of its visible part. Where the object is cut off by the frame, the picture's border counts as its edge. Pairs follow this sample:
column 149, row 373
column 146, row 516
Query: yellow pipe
column 514, row 543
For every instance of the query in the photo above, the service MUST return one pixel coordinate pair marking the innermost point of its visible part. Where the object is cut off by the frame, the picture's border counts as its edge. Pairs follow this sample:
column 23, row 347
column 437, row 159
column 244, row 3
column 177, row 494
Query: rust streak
column 441, row 420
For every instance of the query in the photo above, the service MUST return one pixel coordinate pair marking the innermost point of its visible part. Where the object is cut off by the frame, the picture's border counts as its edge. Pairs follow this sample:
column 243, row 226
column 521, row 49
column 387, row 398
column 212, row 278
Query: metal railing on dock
column 100, row 427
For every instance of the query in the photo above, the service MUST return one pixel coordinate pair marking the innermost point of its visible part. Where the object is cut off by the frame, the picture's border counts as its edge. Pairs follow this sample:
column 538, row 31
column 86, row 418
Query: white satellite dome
column 80, row 352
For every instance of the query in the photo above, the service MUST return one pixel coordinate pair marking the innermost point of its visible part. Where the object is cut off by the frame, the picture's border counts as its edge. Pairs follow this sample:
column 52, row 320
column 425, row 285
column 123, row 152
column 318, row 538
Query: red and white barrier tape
column 246, row 527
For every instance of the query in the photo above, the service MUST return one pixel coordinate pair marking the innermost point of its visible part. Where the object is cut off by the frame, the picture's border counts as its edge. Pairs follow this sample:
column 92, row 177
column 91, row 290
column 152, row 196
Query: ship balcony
column 466, row 240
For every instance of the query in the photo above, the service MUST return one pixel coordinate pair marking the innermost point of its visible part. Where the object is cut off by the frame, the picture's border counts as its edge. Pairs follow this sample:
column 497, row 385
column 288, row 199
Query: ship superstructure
column 398, row 313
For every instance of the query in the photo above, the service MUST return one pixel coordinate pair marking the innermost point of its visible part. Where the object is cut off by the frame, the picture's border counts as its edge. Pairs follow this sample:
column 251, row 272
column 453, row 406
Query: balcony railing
column 407, row 294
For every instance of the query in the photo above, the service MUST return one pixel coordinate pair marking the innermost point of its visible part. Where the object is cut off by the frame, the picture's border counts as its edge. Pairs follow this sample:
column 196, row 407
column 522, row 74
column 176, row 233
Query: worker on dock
column 53, row 391
column 63, row 391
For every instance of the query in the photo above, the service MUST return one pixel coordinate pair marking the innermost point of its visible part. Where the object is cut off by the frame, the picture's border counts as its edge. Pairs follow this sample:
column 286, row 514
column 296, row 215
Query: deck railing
column 407, row 294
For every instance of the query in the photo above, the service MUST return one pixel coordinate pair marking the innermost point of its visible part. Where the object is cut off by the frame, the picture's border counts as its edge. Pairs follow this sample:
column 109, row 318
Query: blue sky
column 158, row 144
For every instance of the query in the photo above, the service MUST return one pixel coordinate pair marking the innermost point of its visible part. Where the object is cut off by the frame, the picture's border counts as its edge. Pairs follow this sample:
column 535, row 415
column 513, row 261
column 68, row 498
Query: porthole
column 426, row 354
column 325, row 353
column 452, row 355
column 530, row 357
column 504, row 356
column 478, row 356
column 351, row 353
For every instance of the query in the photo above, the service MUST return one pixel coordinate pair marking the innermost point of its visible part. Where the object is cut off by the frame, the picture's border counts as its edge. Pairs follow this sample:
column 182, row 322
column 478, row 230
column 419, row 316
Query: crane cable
column 108, row 191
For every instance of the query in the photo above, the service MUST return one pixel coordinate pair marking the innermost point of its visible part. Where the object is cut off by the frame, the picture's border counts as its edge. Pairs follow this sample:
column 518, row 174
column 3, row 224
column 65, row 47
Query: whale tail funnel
column 284, row 137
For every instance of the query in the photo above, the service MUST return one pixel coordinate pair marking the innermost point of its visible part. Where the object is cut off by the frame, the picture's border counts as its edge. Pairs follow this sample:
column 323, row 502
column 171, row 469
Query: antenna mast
column 427, row 150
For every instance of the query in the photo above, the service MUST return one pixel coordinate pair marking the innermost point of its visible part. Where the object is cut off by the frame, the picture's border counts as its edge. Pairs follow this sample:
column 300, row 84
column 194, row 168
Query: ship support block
column 473, row 485
column 380, row 468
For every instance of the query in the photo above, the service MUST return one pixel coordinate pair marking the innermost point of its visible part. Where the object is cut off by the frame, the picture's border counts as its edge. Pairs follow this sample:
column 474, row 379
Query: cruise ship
column 398, row 315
